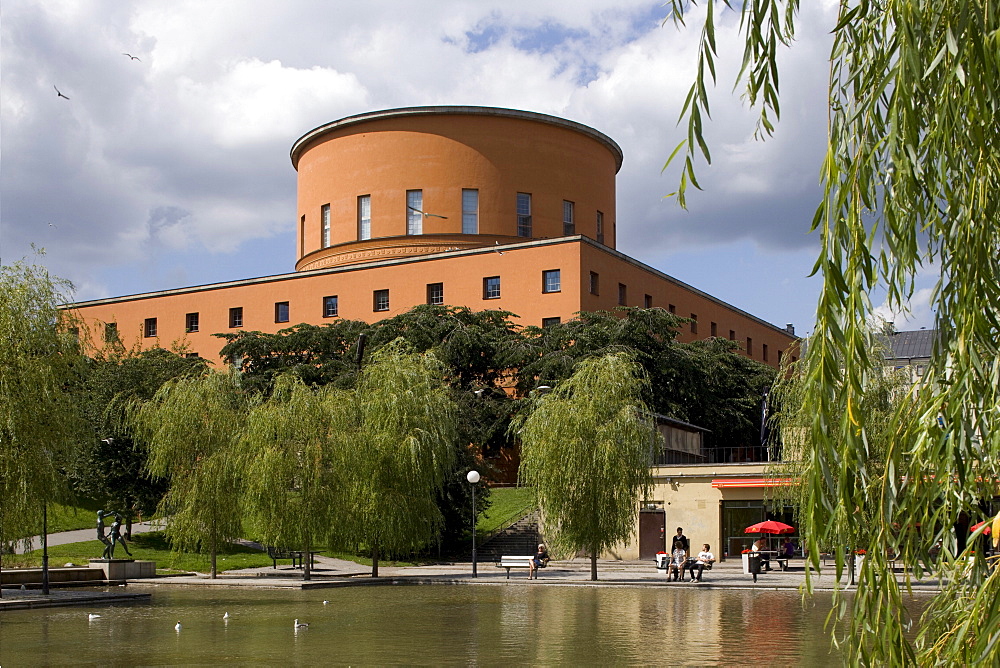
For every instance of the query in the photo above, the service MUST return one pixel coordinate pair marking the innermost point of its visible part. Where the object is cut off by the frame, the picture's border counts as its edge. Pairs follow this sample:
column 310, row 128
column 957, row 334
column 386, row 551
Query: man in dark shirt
column 682, row 540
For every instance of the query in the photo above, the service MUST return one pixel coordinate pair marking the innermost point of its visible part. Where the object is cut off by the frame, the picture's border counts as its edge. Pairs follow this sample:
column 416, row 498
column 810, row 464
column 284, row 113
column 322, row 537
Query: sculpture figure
column 116, row 536
column 109, row 547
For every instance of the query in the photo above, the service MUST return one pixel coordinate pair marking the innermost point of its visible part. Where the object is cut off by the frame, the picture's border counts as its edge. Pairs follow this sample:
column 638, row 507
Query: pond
column 469, row 625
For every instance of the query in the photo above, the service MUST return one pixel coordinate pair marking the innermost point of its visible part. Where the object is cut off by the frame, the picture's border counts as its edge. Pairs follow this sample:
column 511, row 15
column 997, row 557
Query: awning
column 752, row 482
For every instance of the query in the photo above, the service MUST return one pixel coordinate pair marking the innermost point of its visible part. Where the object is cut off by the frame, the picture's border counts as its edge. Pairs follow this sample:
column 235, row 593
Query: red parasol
column 770, row 526
column 988, row 530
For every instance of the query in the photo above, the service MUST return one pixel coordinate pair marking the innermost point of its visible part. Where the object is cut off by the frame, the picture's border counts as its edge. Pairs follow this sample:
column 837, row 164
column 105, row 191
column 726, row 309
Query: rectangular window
column 364, row 217
column 435, row 293
column 281, row 311
column 111, row 332
column 647, row 301
column 302, row 236
column 569, row 226
column 192, row 356
column 622, row 294
column 381, row 300
column 414, row 211
column 732, row 335
column 714, row 329
column 749, row 346
column 595, row 283
column 523, row 215
column 600, row 227
column 694, row 323
column 672, row 308
column 549, row 322
column 763, row 352
column 191, row 322
column 149, row 327
column 780, row 353
column 491, row 287
column 551, row 281
column 330, row 307
column 470, row 211
column 236, row 317
column 325, row 222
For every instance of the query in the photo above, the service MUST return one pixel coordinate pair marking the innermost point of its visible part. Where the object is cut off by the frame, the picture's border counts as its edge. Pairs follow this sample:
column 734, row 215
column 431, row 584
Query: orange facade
column 421, row 205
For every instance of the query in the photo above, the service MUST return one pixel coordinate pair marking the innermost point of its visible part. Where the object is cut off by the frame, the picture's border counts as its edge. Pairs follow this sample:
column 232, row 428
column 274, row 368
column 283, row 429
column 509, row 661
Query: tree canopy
column 910, row 183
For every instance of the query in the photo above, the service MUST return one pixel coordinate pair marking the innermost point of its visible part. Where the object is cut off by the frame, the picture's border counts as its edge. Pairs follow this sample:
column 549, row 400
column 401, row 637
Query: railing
column 509, row 521
column 758, row 454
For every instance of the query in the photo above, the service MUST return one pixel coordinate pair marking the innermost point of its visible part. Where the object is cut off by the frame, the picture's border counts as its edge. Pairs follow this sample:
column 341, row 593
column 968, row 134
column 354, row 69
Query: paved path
column 80, row 535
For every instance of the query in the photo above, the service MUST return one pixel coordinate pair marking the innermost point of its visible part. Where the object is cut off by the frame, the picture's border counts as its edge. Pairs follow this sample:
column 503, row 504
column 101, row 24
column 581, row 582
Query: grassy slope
column 504, row 502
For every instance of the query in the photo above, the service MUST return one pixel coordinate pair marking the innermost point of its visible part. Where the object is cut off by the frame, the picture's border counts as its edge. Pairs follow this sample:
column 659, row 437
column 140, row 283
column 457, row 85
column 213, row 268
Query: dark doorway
column 652, row 533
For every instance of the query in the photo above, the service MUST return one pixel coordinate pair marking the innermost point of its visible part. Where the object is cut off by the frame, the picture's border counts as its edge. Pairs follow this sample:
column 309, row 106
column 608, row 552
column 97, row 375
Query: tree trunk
column 375, row 560
column 307, row 560
column 212, row 551
column 593, row 563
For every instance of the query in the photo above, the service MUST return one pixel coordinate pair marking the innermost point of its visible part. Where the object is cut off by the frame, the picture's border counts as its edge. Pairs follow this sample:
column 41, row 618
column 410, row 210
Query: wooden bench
column 276, row 553
column 510, row 562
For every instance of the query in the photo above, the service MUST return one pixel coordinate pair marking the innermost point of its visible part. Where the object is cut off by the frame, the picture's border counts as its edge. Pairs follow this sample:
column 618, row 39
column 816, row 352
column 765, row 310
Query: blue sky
column 173, row 170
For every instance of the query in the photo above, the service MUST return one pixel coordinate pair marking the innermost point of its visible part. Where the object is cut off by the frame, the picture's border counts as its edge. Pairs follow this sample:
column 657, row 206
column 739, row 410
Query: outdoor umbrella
column 770, row 526
column 986, row 531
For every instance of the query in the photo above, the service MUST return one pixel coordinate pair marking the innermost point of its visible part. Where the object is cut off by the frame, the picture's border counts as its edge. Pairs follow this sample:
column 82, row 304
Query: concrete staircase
column 520, row 538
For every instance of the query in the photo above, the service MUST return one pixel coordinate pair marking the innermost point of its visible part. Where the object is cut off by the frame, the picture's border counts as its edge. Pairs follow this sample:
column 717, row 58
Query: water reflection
column 477, row 625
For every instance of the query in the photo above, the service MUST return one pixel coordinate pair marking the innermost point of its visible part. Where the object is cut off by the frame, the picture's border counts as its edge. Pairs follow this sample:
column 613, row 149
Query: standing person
column 705, row 558
column 682, row 539
column 540, row 560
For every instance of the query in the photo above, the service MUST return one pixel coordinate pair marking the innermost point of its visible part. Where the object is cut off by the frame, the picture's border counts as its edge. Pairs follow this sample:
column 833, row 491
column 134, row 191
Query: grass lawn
column 504, row 503
column 151, row 546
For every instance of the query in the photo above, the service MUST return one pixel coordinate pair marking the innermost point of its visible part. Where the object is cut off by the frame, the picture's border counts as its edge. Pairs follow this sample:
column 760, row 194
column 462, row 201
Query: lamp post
column 473, row 478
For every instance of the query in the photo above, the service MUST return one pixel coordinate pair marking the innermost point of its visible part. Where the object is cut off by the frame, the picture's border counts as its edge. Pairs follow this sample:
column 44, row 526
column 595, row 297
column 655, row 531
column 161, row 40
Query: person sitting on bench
column 759, row 547
column 540, row 560
column 705, row 559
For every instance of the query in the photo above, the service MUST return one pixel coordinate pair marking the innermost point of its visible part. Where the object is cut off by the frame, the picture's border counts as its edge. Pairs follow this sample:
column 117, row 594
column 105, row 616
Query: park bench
column 510, row 562
column 281, row 553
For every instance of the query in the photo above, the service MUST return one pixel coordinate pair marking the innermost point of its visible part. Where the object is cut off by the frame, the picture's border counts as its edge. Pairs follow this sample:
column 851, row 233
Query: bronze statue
column 108, row 545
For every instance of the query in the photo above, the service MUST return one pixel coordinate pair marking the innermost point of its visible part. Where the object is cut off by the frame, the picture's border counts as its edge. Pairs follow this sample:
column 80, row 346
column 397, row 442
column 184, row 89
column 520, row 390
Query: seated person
column 678, row 558
column 539, row 560
column 705, row 558
column 788, row 549
column 759, row 547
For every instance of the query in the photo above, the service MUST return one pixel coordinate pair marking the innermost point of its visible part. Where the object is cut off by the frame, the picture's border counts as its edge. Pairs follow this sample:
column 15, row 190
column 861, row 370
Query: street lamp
column 473, row 478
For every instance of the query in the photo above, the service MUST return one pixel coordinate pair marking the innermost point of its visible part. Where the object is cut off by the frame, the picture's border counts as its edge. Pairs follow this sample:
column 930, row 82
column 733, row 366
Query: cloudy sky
column 172, row 169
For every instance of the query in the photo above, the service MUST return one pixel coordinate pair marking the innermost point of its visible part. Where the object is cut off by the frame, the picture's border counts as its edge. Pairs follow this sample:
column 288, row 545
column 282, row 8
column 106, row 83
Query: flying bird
column 497, row 248
column 427, row 215
column 226, row 616
column 131, row 56
column 59, row 94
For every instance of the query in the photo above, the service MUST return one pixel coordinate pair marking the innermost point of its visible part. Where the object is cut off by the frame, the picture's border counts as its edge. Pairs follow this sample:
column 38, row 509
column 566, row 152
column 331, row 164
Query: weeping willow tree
column 292, row 466
column 585, row 449
column 39, row 423
column 910, row 184
column 402, row 445
column 193, row 427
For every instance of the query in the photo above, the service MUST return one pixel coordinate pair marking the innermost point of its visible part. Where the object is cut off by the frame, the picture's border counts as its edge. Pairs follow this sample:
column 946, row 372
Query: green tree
column 910, row 179
column 292, row 465
column 110, row 466
column 192, row 427
column 402, row 436
column 40, row 364
column 586, row 450
column 318, row 354
column 704, row 382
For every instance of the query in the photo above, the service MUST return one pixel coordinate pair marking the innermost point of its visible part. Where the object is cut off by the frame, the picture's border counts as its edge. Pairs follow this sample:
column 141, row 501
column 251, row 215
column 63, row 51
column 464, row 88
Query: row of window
column 551, row 282
column 415, row 215
column 647, row 302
